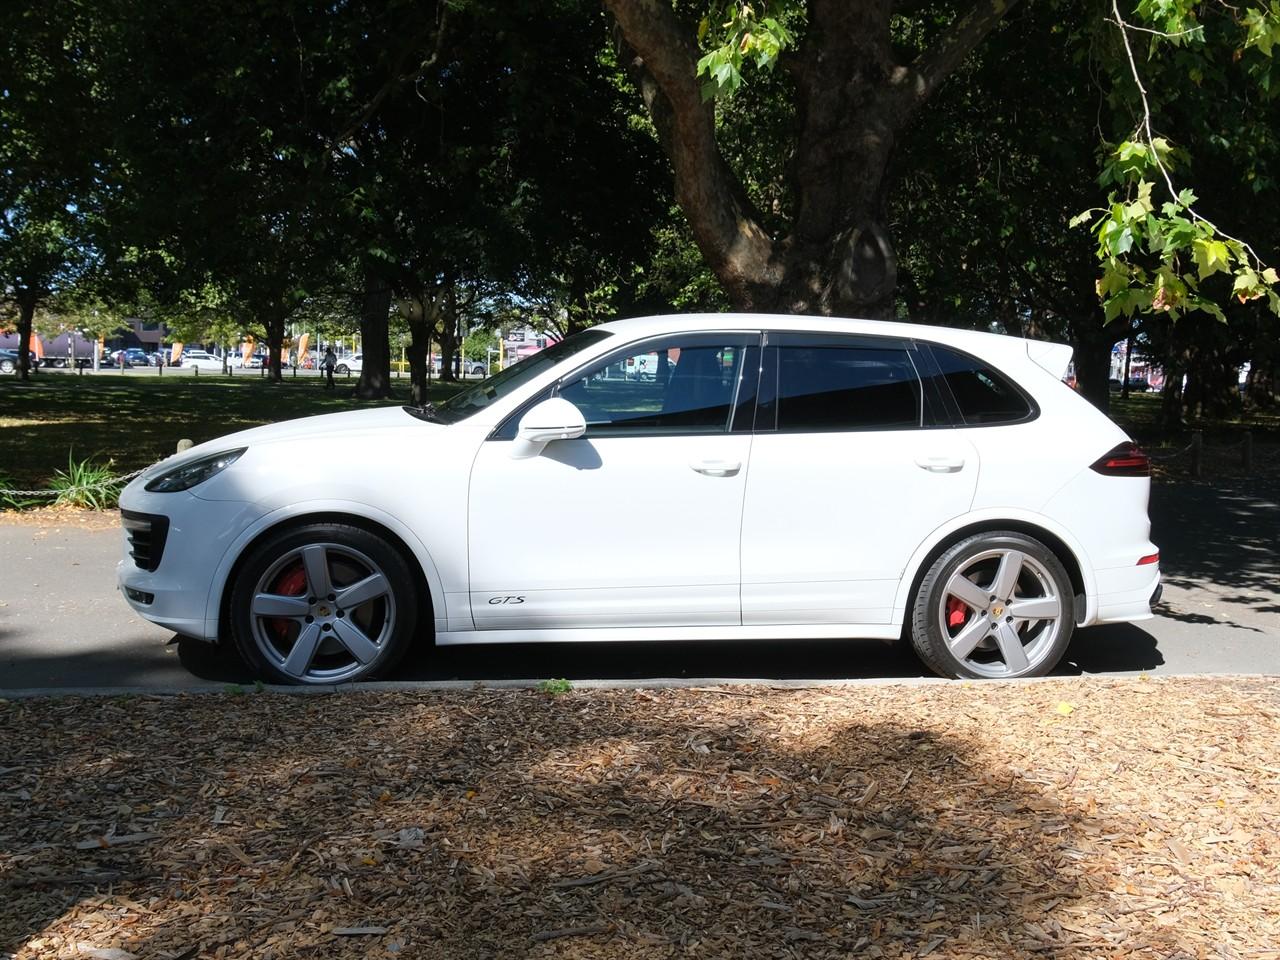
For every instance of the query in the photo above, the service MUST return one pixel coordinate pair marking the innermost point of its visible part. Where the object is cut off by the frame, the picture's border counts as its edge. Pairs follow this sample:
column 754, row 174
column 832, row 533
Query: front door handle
column 717, row 468
column 941, row 464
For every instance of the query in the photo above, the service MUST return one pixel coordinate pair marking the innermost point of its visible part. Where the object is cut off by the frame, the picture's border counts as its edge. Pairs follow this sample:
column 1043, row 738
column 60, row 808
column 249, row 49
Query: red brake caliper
column 292, row 582
column 957, row 612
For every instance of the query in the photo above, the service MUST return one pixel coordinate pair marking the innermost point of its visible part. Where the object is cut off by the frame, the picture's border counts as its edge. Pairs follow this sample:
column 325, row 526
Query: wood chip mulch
column 1070, row 818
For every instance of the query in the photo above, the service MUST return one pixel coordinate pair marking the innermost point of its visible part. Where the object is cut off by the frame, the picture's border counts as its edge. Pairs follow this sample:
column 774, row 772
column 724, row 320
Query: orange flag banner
column 176, row 353
column 37, row 345
column 302, row 346
column 246, row 349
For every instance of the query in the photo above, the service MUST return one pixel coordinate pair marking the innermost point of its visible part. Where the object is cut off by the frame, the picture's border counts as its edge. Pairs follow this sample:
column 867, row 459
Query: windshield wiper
column 425, row 411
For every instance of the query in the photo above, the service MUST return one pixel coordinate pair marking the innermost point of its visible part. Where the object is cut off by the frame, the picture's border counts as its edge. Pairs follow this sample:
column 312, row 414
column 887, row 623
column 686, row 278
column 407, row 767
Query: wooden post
column 1246, row 452
column 1197, row 453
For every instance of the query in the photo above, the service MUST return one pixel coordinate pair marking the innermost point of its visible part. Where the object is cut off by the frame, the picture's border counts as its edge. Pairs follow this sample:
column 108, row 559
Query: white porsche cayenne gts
column 769, row 477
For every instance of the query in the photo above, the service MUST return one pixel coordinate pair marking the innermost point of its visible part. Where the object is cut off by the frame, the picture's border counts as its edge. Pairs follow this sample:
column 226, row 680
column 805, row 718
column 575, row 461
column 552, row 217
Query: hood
column 328, row 427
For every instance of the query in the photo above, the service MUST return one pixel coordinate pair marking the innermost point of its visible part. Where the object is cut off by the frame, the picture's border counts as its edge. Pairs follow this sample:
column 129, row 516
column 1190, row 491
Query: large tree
column 854, row 94
column 46, row 181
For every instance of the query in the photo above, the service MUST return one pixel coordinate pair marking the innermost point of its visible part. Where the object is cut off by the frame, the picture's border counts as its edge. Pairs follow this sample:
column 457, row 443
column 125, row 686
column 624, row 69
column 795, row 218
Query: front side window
column 683, row 385
column 983, row 395
column 830, row 387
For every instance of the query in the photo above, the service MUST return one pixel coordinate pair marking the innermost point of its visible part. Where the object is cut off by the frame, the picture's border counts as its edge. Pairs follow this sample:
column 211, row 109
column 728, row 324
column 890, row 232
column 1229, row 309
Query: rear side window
column 829, row 387
column 983, row 395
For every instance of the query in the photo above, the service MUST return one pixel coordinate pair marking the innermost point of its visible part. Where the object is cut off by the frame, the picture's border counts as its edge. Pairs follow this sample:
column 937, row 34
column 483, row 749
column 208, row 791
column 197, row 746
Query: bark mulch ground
column 1064, row 819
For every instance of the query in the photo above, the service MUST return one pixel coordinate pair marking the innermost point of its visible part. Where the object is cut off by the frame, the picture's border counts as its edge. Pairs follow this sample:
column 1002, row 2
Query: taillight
column 1149, row 558
column 1123, row 460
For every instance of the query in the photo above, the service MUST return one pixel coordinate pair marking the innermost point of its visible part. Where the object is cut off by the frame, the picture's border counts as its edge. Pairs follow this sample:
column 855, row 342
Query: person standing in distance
column 330, row 361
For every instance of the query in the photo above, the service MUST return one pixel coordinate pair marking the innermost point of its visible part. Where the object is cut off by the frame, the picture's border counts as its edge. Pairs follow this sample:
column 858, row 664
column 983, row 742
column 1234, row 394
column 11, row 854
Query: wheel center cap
column 323, row 611
column 997, row 610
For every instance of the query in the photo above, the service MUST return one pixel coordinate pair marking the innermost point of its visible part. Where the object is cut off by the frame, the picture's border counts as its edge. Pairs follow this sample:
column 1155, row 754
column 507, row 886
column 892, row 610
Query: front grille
column 147, row 533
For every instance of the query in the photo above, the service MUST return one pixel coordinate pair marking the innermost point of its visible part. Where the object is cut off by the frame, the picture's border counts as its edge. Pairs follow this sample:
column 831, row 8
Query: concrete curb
column 436, row 686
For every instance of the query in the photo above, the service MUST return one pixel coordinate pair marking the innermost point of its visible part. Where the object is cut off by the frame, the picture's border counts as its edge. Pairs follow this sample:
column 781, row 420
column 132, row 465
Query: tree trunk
column 375, row 374
column 26, row 314
column 275, row 346
column 421, row 314
column 852, row 100
column 1092, row 355
column 448, row 332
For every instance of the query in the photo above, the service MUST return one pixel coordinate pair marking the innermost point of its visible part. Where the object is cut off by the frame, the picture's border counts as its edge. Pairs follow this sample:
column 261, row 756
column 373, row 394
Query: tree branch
column 664, row 68
column 936, row 64
column 397, row 79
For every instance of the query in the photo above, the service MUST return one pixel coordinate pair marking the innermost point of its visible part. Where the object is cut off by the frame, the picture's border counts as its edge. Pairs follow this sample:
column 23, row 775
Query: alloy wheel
column 1000, row 613
column 322, row 613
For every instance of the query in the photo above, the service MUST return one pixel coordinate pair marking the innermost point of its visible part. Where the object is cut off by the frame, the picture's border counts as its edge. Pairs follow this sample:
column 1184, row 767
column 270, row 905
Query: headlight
column 195, row 471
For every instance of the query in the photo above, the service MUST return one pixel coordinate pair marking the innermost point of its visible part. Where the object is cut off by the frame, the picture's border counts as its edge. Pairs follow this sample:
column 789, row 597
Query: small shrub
column 86, row 484
column 553, row 688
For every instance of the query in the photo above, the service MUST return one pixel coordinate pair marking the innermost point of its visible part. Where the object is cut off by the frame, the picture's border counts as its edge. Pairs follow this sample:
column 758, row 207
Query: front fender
column 305, row 508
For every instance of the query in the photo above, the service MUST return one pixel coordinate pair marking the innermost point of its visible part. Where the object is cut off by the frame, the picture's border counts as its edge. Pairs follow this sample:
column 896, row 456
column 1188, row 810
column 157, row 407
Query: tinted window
column 982, row 394
column 679, row 386
column 466, row 402
column 846, row 388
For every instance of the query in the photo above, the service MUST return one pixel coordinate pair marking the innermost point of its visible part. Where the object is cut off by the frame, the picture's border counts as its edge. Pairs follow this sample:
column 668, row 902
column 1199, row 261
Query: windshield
column 478, row 396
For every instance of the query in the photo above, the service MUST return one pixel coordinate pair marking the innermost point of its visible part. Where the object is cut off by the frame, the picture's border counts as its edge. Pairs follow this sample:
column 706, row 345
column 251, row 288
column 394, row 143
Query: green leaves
column 1164, row 256
column 1156, row 262
column 744, row 35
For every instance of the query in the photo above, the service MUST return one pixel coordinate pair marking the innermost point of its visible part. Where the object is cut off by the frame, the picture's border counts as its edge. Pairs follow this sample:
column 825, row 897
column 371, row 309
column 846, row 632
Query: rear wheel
column 994, row 605
column 341, row 369
column 324, row 603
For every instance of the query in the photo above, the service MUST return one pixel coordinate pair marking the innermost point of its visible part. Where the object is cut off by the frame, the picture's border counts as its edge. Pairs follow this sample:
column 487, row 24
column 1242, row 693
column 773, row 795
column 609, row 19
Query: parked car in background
column 349, row 364
column 472, row 368
column 201, row 360
column 808, row 477
column 9, row 361
column 131, row 357
column 1139, row 385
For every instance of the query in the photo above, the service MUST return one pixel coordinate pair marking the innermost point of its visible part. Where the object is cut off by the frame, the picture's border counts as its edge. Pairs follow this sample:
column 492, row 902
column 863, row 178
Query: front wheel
column 996, row 605
column 341, row 369
column 325, row 603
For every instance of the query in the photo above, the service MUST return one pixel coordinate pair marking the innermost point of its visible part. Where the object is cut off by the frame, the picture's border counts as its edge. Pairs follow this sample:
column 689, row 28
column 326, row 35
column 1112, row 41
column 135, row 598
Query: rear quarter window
column 982, row 394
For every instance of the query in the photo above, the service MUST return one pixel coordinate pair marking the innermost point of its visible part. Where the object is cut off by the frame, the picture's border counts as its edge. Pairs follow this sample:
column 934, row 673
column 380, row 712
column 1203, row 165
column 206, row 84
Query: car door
column 637, row 523
column 853, row 464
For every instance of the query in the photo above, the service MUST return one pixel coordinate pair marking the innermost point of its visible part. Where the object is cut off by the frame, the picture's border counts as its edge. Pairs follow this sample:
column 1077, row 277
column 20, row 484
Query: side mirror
column 553, row 419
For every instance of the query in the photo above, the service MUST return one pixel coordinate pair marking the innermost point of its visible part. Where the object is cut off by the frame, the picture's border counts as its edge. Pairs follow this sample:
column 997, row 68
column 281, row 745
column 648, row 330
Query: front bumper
column 175, row 593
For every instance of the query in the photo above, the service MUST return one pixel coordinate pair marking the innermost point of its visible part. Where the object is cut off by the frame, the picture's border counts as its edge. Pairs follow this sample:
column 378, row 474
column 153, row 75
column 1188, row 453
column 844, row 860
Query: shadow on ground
column 1115, row 648
column 1224, row 534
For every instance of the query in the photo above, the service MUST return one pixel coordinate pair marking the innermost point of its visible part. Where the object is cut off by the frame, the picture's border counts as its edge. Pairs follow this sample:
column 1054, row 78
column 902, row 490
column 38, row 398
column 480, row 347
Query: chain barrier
column 102, row 485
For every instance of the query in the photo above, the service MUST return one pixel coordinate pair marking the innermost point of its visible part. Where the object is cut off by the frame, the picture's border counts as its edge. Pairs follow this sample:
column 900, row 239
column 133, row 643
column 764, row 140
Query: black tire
column 932, row 638
column 347, row 545
column 341, row 369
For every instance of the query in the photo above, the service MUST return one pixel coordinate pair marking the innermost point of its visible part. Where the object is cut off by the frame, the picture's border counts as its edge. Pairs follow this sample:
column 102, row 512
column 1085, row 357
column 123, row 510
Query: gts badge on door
column 508, row 600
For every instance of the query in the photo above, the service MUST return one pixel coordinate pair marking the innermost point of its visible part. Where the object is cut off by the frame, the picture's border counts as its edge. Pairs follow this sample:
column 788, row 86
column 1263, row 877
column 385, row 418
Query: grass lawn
column 135, row 420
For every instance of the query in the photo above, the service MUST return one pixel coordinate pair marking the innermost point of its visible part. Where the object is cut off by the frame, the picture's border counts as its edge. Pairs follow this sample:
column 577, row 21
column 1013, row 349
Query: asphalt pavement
column 63, row 625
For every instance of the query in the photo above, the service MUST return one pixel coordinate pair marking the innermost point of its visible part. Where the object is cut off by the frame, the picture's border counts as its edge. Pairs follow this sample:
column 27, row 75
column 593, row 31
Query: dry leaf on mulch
column 1066, row 819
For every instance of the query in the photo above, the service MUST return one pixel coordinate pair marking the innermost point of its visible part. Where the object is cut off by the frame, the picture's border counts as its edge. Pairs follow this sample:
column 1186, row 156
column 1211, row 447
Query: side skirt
column 786, row 631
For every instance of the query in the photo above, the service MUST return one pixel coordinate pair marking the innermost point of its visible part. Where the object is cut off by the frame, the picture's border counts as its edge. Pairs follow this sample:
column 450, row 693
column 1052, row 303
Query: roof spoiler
column 1053, row 357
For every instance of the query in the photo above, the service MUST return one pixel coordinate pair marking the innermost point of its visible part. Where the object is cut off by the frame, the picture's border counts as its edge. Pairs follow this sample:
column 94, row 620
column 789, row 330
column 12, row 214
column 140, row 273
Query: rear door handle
column 717, row 468
column 941, row 464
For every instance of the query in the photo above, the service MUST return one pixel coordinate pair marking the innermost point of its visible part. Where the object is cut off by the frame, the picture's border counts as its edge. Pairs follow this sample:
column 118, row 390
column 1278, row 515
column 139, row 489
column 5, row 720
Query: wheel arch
column 421, row 566
column 1064, row 546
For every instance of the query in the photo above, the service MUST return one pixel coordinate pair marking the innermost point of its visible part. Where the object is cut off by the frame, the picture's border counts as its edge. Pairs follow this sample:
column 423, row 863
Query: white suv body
column 802, row 477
